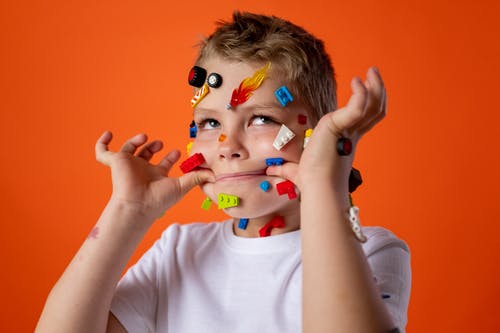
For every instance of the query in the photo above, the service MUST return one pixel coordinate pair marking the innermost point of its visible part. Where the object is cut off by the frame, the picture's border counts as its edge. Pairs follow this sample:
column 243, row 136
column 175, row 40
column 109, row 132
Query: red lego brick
column 286, row 187
column 192, row 163
column 276, row 222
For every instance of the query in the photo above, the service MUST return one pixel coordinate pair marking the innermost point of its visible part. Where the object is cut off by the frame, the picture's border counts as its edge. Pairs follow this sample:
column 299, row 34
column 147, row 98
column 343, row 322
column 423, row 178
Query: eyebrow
column 244, row 108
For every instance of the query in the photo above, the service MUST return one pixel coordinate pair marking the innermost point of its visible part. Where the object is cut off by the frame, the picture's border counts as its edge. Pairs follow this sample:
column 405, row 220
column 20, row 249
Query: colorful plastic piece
column 302, row 119
column 276, row 222
column 274, row 161
column 214, row 80
column 193, row 129
column 222, row 137
column 286, row 187
column 243, row 223
column 307, row 136
column 202, row 92
column 188, row 147
column 283, row 95
column 227, row 200
column 354, row 179
column 206, row 203
column 192, row 162
column 248, row 86
column 197, row 76
column 344, row 146
column 284, row 136
column 265, row 186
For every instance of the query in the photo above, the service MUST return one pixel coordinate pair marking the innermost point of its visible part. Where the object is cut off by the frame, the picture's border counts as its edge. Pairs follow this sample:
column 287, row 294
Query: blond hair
column 297, row 56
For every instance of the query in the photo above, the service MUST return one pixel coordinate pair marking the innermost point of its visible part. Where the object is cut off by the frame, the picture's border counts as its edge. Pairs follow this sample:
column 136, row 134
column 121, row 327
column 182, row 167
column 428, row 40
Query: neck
column 292, row 223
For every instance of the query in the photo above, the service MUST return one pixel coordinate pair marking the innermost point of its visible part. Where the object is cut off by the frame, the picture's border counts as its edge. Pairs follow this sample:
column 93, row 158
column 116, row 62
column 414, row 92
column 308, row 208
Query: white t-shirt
column 202, row 278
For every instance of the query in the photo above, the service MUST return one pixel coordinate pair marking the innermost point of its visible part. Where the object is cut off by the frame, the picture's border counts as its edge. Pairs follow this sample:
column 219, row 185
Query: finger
column 288, row 171
column 168, row 161
column 150, row 149
column 195, row 178
column 101, row 148
column 348, row 116
column 133, row 143
column 376, row 92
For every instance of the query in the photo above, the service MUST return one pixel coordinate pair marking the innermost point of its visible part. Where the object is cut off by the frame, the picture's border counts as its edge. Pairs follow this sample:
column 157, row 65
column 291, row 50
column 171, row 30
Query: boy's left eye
column 262, row 120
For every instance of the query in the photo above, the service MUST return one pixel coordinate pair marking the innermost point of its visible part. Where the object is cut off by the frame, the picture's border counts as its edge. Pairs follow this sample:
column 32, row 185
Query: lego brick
column 283, row 95
column 276, row 222
column 192, row 162
column 227, row 200
column 243, row 223
column 274, row 161
column 286, row 187
column 265, row 186
column 206, row 203
column 284, row 136
column 302, row 119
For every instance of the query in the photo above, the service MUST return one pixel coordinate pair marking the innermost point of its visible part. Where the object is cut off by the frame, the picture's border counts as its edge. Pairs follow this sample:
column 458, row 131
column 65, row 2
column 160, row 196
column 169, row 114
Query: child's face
column 238, row 160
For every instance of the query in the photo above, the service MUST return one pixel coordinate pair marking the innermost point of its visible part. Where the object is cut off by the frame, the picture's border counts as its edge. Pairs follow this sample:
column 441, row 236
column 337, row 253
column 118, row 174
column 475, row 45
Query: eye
column 208, row 124
column 262, row 120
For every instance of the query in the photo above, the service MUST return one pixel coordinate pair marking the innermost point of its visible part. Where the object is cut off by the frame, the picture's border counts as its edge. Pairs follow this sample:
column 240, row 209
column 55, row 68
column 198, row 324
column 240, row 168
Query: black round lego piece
column 354, row 180
column 197, row 76
column 344, row 146
column 214, row 80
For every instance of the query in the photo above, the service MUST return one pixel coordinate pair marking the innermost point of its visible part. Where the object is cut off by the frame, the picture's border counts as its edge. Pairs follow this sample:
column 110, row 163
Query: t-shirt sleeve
column 136, row 297
column 389, row 259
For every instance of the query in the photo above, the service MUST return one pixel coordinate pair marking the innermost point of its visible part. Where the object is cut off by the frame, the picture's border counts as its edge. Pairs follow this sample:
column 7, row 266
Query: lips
column 240, row 175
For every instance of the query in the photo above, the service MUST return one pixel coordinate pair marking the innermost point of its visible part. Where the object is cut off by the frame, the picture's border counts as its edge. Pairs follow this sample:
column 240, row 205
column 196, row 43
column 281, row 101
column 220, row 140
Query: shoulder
column 379, row 239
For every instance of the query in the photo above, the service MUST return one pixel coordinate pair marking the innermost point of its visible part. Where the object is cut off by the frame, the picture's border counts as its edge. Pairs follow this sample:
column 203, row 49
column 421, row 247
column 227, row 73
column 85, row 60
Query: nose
column 231, row 147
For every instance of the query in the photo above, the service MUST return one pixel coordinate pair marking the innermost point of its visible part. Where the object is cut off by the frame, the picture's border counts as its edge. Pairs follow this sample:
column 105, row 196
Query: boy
column 260, row 83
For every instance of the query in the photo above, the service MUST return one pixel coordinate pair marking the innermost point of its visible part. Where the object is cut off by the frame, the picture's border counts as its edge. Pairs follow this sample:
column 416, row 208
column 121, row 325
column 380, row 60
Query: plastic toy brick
column 265, row 186
column 202, row 92
column 206, row 203
column 222, row 137
column 188, row 147
column 283, row 95
column 355, row 179
column 192, row 162
column 276, row 222
column 307, row 136
column 302, row 119
column 193, row 129
column 242, row 224
column 286, row 187
column 274, row 161
column 284, row 136
column 227, row 200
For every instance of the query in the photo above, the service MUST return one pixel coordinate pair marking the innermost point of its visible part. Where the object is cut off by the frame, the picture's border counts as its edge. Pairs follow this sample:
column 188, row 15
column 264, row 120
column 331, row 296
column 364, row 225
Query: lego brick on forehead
column 202, row 92
column 283, row 95
column 197, row 76
column 248, row 86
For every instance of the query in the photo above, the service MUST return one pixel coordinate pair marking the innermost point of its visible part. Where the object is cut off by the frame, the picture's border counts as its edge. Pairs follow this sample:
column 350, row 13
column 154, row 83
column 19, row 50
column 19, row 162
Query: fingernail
column 376, row 69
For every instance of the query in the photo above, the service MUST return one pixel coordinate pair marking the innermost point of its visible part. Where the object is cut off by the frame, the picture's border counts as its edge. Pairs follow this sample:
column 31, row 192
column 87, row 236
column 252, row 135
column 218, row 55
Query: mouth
column 240, row 175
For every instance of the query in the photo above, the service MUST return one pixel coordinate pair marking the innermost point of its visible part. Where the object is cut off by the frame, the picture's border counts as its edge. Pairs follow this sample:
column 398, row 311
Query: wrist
column 129, row 213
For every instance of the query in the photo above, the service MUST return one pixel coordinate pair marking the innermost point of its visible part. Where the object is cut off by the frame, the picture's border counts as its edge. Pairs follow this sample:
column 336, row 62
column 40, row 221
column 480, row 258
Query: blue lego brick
column 274, row 161
column 283, row 95
column 242, row 224
column 265, row 186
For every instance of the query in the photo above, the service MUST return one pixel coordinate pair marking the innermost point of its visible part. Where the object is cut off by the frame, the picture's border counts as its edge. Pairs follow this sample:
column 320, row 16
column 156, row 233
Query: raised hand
column 143, row 186
column 320, row 160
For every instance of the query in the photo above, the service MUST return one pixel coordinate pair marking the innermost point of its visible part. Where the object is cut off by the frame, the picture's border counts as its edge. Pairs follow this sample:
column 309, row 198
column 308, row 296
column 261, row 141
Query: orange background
column 71, row 69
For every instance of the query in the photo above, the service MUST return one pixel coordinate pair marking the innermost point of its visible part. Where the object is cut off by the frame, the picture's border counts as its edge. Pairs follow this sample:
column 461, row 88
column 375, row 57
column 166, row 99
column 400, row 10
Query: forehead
column 233, row 73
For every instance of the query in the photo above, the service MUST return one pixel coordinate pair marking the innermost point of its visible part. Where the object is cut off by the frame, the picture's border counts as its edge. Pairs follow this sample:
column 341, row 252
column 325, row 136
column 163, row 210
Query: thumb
column 195, row 178
column 287, row 171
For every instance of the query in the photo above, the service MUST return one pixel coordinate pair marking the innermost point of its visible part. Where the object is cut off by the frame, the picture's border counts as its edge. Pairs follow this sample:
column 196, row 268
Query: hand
column 138, row 183
column 320, row 160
